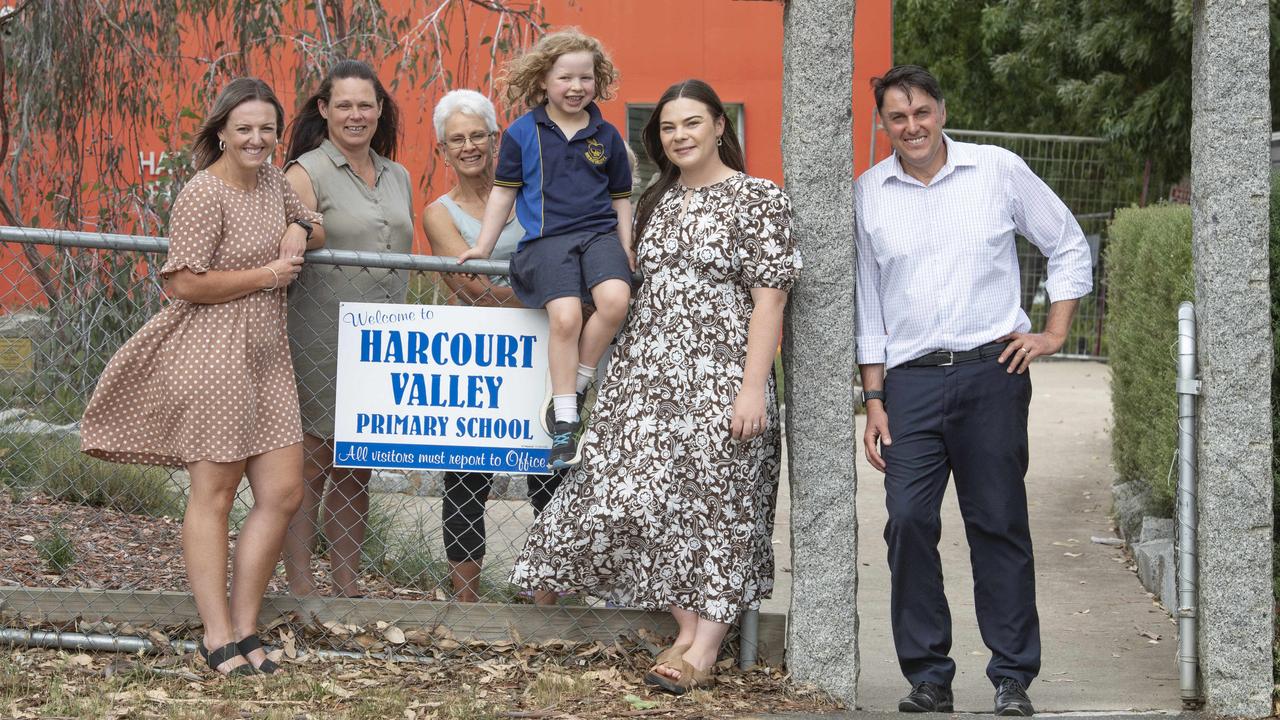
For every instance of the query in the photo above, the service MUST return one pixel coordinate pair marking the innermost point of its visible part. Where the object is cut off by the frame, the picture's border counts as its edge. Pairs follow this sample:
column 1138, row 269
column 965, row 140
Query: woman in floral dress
column 672, row 507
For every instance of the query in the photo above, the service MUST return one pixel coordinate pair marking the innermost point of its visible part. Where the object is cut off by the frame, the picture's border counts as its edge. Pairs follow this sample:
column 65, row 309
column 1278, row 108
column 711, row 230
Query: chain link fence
column 1093, row 181
column 91, row 554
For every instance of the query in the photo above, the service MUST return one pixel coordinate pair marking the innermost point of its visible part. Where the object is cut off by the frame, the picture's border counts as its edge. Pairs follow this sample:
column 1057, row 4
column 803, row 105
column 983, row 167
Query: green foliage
column 56, row 550
column 54, row 466
column 1119, row 69
column 1149, row 269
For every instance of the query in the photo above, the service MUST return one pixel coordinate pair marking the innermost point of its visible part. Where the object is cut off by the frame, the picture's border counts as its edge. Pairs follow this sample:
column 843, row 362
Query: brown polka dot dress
column 207, row 381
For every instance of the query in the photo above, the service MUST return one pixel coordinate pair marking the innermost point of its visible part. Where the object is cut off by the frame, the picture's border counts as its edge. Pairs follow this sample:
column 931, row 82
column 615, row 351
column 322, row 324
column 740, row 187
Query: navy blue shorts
column 568, row 265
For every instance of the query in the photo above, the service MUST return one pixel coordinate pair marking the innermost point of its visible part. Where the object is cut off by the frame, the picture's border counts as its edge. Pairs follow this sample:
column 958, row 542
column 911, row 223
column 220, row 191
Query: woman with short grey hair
column 467, row 130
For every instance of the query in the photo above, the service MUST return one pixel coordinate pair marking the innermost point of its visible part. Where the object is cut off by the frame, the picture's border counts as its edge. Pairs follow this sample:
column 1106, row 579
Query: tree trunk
column 817, row 162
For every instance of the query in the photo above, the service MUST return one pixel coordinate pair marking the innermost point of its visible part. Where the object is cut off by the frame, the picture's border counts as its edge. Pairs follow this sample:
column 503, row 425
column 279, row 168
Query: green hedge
column 1149, row 273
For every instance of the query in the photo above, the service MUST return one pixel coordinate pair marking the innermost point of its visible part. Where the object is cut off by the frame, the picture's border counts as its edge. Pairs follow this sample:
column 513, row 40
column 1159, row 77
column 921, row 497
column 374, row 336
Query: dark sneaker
column 1012, row 700
column 927, row 697
column 548, row 416
column 564, row 446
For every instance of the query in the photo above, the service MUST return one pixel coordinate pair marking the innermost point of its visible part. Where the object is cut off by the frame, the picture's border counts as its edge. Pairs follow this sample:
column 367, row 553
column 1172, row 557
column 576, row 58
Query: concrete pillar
column 1230, row 185
column 817, row 163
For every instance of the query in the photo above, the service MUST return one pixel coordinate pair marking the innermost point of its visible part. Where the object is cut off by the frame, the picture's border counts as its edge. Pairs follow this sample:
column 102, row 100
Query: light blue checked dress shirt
column 937, row 267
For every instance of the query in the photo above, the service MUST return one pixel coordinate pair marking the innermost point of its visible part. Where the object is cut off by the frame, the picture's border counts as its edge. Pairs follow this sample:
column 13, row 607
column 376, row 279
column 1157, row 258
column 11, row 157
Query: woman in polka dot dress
column 207, row 384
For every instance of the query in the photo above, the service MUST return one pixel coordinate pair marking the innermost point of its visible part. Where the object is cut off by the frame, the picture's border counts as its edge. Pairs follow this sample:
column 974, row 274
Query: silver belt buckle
column 951, row 359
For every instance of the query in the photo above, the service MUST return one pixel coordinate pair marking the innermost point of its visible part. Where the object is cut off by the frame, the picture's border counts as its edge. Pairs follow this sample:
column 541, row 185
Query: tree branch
column 28, row 251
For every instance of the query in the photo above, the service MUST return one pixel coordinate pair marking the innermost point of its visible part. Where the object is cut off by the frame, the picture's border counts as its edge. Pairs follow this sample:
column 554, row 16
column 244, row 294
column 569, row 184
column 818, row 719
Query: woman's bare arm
column 446, row 240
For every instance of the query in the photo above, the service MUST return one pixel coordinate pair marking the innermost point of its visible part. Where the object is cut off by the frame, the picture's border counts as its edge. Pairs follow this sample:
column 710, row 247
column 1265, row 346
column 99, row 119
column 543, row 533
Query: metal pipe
column 144, row 243
column 125, row 643
column 1188, row 517
column 748, row 637
column 876, row 127
column 324, row 256
column 75, row 641
column 1082, row 139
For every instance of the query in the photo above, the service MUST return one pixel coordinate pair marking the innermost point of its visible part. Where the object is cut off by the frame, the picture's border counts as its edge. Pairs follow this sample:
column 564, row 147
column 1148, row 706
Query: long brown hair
column 205, row 150
column 310, row 128
column 730, row 150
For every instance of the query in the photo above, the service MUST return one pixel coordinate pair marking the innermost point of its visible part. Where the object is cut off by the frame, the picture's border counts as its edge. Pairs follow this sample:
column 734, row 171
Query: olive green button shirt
column 356, row 217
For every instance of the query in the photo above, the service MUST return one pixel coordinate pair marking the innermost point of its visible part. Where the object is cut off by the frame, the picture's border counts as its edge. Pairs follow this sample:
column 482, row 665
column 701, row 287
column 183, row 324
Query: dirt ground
column 522, row 682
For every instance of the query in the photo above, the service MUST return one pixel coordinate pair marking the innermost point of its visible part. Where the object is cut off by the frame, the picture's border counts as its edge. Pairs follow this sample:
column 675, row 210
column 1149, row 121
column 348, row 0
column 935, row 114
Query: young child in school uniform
column 566, row 170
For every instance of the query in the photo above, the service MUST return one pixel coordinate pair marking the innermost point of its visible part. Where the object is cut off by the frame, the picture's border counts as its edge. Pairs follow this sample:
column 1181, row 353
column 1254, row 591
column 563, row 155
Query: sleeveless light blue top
column 469, row 229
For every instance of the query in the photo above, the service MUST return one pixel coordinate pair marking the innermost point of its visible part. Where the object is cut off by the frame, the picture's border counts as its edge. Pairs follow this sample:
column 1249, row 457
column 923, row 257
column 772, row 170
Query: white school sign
column 439, row 387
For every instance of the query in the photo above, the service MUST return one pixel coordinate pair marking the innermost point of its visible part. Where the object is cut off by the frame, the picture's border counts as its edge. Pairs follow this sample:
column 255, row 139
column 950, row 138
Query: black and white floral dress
column 666, row 507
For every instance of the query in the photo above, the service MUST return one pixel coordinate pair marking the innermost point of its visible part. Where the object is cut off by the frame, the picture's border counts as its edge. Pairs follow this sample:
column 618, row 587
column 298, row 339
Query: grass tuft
column 466, row 706
column 57, row 551
column 555, row 689
column 54, row 466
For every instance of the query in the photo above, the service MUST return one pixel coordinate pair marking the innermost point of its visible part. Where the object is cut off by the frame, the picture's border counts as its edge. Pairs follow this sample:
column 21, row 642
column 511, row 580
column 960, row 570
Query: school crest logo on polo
column 595, row 152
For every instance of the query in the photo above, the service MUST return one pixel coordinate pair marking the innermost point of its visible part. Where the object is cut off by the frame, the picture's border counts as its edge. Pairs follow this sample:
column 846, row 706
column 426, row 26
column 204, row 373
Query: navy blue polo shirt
column 566, row 184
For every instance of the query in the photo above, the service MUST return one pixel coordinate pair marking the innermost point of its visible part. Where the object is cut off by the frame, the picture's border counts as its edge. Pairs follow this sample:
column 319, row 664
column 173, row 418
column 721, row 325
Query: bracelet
column 275, row 275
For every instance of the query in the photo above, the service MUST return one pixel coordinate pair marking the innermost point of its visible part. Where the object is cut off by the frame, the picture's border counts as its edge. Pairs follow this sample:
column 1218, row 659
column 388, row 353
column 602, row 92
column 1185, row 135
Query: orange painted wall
column 872, row 56
column 735, row 45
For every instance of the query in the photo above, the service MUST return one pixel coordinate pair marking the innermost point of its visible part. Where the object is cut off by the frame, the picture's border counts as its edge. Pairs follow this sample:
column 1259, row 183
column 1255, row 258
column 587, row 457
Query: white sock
column 585, row 375
column 566, row 407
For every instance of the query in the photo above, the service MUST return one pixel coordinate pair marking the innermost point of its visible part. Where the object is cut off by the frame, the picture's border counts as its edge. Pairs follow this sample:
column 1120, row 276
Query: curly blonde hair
column 524, row 75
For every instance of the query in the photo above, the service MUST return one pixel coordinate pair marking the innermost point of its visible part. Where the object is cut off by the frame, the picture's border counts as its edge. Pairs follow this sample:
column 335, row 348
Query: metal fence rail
column 94, row 548
column 1092, row 181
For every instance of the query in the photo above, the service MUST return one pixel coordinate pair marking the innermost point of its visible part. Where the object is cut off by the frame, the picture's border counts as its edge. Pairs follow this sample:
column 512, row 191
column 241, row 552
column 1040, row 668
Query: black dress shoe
column 1012, row 700
column 927, row 697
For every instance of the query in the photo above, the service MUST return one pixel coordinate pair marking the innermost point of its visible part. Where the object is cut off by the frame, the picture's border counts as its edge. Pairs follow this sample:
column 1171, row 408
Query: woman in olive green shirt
column 341, row 163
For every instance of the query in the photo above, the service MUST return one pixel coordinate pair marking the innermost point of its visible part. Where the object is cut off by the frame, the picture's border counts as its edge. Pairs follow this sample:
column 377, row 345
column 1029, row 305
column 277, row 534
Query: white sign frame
column 441, row 387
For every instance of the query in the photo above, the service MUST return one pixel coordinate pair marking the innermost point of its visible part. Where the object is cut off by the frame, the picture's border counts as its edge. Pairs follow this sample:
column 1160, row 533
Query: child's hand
column 474, row 253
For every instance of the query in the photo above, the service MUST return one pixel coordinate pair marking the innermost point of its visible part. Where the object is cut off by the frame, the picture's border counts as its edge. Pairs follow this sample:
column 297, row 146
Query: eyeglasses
column 460, row 141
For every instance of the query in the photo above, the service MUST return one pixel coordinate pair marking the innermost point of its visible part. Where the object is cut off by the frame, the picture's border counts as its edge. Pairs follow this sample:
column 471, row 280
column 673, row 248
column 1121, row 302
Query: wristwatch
column 305, row 226
column 872, row 395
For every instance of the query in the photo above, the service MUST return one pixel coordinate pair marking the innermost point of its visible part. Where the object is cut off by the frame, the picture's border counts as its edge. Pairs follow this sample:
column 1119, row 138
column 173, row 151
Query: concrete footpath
column 1108, row 648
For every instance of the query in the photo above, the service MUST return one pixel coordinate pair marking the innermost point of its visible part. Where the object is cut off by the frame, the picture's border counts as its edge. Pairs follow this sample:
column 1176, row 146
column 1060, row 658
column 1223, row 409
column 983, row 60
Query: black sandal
column 223, row 654
column 251, row 643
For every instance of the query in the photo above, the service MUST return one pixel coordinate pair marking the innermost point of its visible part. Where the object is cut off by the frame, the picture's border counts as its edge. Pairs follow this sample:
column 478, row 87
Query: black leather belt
column 943, row 358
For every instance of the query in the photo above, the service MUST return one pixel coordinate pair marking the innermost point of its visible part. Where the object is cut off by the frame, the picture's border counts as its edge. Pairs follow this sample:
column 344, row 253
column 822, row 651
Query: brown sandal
column 675, row 652
column 690, row 677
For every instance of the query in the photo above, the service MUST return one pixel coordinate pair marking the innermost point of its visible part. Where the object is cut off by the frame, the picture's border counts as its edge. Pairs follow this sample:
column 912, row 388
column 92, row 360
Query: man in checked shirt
column 944, row 347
